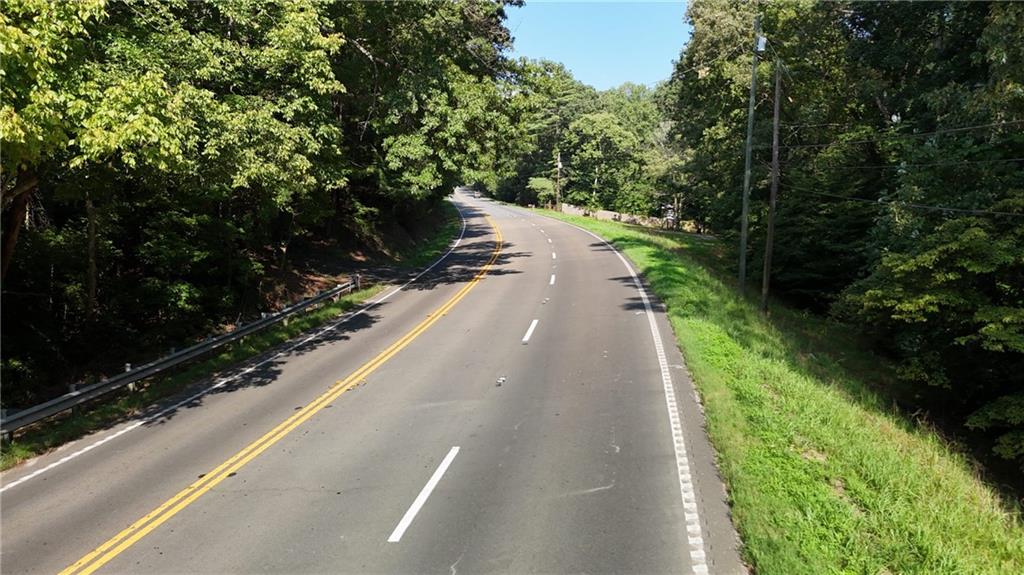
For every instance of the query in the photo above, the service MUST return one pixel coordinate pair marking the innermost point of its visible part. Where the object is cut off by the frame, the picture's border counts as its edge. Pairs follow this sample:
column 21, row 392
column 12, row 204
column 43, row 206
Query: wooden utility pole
column 767, row 276
column 746, row 173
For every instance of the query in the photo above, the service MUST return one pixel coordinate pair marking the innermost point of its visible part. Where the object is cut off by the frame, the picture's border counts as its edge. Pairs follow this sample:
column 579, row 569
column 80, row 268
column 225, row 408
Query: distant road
column 511, row 411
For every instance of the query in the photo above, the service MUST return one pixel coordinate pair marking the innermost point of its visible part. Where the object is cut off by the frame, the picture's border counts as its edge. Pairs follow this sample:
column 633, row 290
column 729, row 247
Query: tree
column 41, row 43
column 604, row 163
column 893, row 113
column 180, row 151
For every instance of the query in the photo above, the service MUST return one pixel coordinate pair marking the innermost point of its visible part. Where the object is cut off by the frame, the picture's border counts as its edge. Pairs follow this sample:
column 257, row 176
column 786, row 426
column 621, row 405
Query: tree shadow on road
column 476, row 249
column 263, row 369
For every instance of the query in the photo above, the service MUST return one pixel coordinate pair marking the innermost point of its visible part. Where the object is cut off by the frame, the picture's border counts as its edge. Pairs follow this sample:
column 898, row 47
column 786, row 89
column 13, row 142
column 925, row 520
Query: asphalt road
column 510, row 411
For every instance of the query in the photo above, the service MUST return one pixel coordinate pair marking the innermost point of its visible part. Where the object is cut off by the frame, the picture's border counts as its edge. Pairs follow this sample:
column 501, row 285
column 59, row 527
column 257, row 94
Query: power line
column 780, row 61
column 881, row 202
column 730, row 52
column 901, row 166
column 797, row 126
column 917, row 135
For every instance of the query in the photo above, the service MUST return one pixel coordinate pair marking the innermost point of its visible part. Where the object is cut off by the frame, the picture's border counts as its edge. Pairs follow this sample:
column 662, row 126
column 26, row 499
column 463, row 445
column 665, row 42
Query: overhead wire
column 922, row 165
column 706, row 63
column 913, row 205
column 779, row 60
column 895, row 137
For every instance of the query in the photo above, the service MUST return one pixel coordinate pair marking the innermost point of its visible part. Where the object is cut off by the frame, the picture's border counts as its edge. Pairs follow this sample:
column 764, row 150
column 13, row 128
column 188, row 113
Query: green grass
column 824, row 475
column 118, row 407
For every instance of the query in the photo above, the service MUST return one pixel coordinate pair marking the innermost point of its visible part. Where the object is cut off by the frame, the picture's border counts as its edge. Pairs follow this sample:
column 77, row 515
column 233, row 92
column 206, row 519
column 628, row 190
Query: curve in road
column 522, row 429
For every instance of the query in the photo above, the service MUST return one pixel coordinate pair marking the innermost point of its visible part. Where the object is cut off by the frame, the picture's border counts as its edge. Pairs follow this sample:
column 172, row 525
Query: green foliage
column 184, row 149
column 1005, row 412
column 601, row 154
column 40, row 42
column 613, row 145
column 542, row 190
column 550, row 100
column 898, row 107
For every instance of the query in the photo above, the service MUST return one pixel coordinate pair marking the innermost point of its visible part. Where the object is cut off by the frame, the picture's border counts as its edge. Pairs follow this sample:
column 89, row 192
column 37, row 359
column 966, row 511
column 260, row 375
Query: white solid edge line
column 396, row 535
column 698, row 557
column 529, row 332
column 552, row 282
column 221, row 382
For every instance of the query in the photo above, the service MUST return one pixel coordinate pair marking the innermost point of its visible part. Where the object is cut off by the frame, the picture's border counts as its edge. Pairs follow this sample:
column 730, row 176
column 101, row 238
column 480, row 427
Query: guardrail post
column 131, row 386
column 73, row 387
column 359, row 282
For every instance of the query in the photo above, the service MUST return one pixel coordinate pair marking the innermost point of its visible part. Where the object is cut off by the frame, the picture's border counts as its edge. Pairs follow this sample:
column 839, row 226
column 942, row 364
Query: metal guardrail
column 19, row 419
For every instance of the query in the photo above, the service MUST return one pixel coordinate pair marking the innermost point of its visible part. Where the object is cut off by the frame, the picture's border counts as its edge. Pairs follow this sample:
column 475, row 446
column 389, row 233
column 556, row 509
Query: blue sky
column 603, row 43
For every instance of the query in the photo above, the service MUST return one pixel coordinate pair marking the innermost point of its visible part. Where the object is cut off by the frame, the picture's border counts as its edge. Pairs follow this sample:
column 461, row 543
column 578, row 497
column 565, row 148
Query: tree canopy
column 160, row 158
column 901, row 203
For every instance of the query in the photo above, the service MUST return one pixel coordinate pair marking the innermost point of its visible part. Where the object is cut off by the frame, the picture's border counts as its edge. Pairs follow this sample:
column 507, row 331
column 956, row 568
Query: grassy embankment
column 118, row 407
column 824, row 475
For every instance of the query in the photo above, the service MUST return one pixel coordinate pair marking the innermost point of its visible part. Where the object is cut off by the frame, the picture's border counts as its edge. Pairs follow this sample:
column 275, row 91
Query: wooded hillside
column 161, row 160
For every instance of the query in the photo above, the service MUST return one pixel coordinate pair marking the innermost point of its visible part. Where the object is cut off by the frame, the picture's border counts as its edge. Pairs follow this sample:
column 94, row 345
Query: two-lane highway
column 519, row 408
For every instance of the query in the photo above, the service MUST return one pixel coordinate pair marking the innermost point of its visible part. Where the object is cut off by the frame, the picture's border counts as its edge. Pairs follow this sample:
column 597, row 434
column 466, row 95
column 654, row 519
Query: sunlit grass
column 824, row 476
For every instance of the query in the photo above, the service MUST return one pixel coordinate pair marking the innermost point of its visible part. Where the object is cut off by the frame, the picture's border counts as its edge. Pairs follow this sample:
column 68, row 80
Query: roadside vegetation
column 901, row 192
column 119, row 406
column 824, row 474
column 168, row 168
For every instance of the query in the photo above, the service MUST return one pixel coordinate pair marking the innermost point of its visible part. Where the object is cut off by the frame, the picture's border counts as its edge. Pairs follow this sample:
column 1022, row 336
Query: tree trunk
column 90, row 280
column 23, row 190
column 677, row 210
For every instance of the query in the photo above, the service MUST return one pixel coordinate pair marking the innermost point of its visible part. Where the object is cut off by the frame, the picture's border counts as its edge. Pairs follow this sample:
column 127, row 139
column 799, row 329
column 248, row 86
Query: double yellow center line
column 136, row 531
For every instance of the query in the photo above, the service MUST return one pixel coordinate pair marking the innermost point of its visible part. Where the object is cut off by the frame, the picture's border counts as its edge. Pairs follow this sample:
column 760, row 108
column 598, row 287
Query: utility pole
column 768, row 244
column 750, row 141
